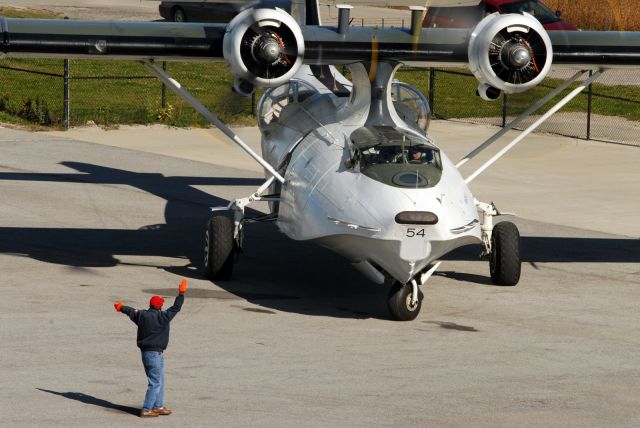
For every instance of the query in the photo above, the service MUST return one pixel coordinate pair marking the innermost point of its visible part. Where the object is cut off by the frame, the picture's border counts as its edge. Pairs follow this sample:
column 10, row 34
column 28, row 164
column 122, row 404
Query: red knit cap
column 156, row 302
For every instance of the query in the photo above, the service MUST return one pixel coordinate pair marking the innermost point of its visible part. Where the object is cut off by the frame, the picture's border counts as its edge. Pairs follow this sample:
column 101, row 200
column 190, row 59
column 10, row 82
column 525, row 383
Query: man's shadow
column 88, row 399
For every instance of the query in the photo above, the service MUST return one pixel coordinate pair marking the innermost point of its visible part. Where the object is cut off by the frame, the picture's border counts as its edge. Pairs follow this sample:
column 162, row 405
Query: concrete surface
column 298, row 338
column 564, row 181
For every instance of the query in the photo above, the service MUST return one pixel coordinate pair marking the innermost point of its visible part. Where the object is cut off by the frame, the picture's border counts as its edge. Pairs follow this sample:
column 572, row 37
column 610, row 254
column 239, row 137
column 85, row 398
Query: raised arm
column 132, row 313
column 177, row 303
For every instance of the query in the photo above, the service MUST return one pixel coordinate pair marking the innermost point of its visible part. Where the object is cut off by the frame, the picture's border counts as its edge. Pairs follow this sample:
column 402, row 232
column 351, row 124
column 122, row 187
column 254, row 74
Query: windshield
column 275, row 100
column 396, row 158
column 411, row 105
column 541, row 12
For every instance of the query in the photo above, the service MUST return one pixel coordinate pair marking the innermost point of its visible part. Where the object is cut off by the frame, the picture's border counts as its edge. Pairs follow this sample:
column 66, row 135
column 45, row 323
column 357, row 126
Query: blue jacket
column 153, row 325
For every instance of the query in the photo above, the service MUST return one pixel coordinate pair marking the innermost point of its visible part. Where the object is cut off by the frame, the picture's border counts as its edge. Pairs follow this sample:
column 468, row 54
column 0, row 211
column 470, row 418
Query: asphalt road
column 297, row 338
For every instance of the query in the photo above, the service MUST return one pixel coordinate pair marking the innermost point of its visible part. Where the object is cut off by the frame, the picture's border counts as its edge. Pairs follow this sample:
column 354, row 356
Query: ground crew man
column 153, row 338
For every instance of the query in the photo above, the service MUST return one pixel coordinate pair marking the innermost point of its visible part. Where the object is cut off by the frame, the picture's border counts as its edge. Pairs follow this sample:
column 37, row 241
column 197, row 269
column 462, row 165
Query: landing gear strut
column 224, row 234
column 501, row 243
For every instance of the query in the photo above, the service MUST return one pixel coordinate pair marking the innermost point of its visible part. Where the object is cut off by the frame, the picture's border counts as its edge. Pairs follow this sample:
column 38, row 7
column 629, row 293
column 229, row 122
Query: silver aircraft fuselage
column 308, row 130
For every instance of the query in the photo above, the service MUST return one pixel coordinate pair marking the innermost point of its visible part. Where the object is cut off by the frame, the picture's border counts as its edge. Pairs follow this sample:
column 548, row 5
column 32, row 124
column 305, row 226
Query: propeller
column 268, row 52
column 510, row 53
column 263, row 47
column 514, row 56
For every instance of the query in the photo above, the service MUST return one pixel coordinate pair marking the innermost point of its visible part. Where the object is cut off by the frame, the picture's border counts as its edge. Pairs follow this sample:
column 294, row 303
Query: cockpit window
column 411, row 105
column 274, row 100
column 535, row 8
column 396, row 158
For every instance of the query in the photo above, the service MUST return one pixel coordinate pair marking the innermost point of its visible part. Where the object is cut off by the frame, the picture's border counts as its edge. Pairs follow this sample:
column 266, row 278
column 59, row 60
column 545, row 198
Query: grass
column 456, row 98
column 122, row 99
column 616, row 15
column 129, row 96
column 14, row 12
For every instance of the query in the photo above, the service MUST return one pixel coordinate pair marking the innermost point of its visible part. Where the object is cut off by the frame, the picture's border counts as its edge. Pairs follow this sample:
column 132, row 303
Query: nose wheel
column 403, row 306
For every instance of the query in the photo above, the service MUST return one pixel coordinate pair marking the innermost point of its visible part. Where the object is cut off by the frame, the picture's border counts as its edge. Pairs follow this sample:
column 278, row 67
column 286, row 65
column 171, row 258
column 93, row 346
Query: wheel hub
column 411, row 307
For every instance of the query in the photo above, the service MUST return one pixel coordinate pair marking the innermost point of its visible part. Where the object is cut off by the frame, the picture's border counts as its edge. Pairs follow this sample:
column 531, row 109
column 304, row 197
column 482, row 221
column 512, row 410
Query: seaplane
column 348, row 160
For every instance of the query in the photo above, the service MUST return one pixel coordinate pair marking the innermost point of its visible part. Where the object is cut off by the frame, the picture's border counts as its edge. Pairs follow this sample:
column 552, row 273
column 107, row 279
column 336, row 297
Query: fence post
column 504, row 109
column 164, row 88
column 253, row 103
column 66, row 104
column 432, row 90
column 589, row 97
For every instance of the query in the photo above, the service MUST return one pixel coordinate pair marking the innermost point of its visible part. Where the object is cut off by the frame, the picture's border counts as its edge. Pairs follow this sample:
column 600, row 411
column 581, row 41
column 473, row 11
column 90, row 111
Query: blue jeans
column 154, row 368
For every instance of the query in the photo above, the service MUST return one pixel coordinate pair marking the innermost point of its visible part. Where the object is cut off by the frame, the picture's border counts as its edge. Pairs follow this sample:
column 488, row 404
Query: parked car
column 212, row 11
column 469, row 16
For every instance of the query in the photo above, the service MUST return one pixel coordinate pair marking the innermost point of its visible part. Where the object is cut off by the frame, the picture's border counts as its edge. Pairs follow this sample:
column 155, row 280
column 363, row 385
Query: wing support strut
column 200, row 108
column 525, row 114
column 535, row 125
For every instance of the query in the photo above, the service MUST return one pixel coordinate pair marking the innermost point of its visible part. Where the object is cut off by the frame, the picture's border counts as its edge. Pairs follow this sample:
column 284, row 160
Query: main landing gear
column 219, row 248
column 223, row 236
column 501, row 244
column 504, row 260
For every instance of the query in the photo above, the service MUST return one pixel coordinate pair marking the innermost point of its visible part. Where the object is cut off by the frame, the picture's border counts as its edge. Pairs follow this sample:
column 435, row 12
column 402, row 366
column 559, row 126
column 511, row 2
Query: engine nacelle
column 512, row 53
column 488, row 93
column 262, row 47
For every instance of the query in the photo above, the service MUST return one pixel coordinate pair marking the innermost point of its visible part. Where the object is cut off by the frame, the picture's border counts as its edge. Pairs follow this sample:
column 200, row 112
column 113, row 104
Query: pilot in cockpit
column 417, row 155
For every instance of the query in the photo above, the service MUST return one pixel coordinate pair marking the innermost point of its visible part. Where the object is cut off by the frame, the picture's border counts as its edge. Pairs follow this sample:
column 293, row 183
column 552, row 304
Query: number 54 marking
column 412, row 232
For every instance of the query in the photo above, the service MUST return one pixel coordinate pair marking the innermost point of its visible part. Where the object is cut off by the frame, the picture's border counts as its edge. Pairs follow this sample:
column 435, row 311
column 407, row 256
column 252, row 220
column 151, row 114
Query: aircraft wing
column 266, row 47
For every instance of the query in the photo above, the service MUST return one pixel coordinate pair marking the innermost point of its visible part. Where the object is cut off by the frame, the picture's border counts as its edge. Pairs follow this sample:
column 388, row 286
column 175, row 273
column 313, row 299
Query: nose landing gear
column 405, row 301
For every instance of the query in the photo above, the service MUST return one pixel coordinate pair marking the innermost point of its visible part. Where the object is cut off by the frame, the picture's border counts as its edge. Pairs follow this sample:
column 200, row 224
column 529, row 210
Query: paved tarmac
column 298, row 338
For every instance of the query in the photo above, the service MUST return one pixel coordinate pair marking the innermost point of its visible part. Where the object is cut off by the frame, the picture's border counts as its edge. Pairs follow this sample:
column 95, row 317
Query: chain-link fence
column 68, row 93
column 373, row 22
column 608, row 110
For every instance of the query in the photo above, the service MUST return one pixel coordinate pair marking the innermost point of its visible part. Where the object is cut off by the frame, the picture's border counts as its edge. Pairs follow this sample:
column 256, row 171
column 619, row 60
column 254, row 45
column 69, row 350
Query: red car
column 468, row 16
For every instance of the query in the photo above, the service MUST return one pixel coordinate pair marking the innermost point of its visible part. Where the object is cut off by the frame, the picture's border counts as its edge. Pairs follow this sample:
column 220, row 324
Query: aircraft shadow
column 88, row 399
column 546, row 249
column 274, row 272
column 312, row 279
column 186, row 211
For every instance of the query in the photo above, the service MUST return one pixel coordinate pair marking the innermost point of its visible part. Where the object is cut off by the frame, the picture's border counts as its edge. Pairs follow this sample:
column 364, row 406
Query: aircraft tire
column 504, row 261
column 178, row 15
column 400, row 302
column 218, row 248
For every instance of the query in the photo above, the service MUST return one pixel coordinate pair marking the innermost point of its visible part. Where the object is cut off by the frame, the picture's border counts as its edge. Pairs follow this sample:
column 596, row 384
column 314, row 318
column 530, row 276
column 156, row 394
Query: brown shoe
column 161, row 411
column 149, row 414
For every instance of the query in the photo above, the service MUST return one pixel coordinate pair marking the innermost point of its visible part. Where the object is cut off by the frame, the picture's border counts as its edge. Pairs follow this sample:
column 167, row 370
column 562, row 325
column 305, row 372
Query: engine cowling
column 512, row 53
column 262, row 47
